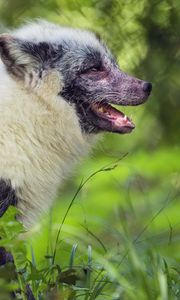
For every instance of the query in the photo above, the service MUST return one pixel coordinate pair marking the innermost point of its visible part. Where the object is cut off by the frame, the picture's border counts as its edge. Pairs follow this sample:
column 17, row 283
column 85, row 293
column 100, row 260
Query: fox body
column 56, row 87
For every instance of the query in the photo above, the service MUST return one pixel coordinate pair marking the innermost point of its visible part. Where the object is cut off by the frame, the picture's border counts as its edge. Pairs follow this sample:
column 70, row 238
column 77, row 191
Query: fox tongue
column 117, row 118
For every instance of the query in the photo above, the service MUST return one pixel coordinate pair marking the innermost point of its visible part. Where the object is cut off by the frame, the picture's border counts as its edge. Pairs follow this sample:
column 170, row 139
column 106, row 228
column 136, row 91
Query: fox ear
column 23, row 57
column 14, row 56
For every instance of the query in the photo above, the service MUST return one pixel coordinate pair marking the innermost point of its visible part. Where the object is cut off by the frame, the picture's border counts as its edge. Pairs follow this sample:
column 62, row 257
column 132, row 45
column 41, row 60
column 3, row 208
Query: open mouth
column 110, row 119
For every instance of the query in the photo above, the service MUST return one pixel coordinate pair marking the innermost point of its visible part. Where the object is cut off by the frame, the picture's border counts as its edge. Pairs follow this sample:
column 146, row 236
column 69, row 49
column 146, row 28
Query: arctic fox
column 56, row 90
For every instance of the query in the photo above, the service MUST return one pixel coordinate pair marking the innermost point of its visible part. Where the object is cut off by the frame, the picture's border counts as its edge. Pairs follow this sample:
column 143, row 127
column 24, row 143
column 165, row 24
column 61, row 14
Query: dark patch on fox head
column 45, row 53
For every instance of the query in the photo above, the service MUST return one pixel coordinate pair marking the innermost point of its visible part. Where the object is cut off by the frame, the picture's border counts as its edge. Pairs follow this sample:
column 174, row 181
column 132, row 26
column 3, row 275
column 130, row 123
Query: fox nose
column 147, row 87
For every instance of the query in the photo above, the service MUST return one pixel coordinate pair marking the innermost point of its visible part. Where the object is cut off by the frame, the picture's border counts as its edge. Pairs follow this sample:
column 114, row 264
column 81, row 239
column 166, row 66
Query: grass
column 122, row 258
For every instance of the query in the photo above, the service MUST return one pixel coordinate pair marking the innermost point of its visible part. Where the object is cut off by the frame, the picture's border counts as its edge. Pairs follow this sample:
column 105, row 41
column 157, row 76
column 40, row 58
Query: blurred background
column 138, row 200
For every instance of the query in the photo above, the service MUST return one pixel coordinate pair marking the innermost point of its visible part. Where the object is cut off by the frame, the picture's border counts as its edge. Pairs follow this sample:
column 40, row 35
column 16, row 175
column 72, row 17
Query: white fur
column 40, row 140
column 41, row 30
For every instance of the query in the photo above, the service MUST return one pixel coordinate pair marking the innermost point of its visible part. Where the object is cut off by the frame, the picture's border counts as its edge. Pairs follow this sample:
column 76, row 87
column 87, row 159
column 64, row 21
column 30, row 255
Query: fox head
column 89, row 76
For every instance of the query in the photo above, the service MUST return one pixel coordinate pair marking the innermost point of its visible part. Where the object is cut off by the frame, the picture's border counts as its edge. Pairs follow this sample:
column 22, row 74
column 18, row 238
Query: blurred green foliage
column 130, row 215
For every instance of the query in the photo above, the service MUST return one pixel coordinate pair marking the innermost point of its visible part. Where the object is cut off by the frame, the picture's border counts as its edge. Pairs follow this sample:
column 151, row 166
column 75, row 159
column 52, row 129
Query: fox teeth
column 125, row 118
column 101, row 109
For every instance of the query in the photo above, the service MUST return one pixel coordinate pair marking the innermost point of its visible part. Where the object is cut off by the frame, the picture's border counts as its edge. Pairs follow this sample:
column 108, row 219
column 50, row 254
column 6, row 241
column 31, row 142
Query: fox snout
column 126, row 89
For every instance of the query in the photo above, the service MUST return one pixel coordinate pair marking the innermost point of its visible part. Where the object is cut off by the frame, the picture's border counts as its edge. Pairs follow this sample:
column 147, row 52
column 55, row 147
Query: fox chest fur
column 40, row 141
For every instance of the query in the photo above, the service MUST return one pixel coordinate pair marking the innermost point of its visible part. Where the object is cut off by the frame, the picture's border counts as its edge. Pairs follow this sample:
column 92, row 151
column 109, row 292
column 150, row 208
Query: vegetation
column 114, row 230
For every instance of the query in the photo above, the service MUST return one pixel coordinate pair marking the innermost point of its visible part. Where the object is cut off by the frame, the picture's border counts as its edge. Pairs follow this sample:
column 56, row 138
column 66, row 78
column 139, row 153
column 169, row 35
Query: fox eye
column 92, row 70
